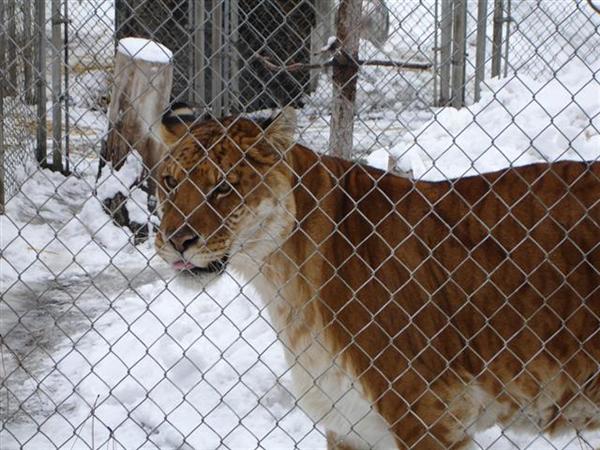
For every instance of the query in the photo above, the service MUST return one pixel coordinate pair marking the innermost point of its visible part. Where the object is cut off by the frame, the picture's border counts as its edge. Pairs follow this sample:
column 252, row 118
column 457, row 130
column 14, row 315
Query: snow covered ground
column 95, row 323
column 102, row 348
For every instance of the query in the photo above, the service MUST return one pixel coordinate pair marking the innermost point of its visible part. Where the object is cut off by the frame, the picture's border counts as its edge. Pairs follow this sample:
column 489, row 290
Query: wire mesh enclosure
column 300, row 224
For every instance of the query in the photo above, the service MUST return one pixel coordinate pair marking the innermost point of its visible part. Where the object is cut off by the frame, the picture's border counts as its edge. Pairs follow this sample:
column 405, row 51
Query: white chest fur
column 324, row 389
column 332, row 398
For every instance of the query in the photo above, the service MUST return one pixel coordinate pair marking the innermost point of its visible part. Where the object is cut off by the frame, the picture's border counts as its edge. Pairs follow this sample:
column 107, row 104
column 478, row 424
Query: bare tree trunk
column 345, row 77
column 140, row 94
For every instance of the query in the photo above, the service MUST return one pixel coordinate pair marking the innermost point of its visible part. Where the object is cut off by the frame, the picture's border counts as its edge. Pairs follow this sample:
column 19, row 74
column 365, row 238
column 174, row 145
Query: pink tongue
column 182, row 265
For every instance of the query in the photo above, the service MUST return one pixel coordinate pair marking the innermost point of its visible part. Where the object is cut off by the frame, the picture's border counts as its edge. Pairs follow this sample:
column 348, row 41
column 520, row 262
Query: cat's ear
column 280, row 132
column 176, row 122
column 278, row 135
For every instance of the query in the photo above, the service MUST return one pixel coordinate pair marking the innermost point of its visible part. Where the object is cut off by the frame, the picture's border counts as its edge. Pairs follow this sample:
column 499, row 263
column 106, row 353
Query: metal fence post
column 11, row 47
column 2, row 50
column 10, row 25
column 480, row 47
column 436, row 50
column 508, row 20
column 225, row 58
column 497, row 37
column 2, row 178
column 234, row 65
column 2, row 66
column 66, row 81
column 199, row 55
column 459, row 46
column 445, row 51
column 42, row 133
column 216, row 59
column 56, row 62
column 28, row 89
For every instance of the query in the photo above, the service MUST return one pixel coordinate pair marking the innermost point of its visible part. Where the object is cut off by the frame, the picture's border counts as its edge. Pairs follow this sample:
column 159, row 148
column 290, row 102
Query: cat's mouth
column 217, row 266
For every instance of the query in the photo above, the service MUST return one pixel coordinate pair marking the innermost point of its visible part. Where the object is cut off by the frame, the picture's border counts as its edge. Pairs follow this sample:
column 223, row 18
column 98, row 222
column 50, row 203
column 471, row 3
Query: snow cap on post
column 145, row 49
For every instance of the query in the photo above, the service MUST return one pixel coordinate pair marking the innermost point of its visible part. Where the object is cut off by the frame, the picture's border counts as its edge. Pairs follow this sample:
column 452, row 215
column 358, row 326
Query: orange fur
column 448, row 306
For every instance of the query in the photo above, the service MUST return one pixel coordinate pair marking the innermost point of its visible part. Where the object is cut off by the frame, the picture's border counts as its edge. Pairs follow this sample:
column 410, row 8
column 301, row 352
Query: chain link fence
column 437, row 287
column 545, row 35
column 17, row 92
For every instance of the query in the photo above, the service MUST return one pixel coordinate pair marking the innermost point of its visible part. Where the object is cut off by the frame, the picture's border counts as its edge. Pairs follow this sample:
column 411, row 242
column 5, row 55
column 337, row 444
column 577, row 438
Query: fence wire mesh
column 17, row 92
column 170, row 280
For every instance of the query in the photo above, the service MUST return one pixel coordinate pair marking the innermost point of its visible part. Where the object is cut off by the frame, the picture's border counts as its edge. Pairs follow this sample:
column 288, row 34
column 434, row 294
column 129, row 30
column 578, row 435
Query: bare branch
column 398, row 64
column 341, row 62
column 294, row 67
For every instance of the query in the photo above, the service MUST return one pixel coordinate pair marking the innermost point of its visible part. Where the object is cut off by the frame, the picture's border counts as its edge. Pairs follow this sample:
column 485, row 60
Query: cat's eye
column 170, row 181
column 222, row 189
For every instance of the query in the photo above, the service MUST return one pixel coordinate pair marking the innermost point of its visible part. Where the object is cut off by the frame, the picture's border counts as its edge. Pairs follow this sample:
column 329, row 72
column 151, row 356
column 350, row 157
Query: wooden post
column 345, row 76
column 143, row 78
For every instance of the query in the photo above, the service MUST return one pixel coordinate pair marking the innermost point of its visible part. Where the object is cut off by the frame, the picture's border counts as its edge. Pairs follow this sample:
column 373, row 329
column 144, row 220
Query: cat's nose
column 183, row 239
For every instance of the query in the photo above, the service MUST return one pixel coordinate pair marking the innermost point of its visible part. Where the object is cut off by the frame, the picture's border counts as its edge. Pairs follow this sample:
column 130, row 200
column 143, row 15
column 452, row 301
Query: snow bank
column 111, row 182
column 124, row 181
column 145, row 49
column 56, row 226
column 518, row 121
